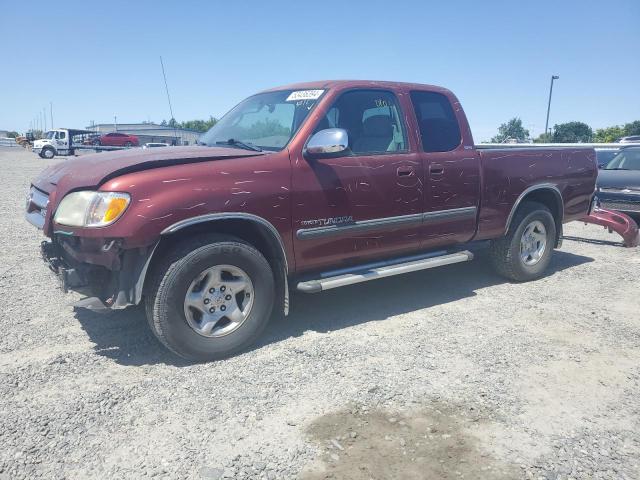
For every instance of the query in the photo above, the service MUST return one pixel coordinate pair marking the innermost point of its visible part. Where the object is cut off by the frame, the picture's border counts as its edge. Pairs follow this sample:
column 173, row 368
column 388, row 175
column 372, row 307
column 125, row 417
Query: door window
column 371, row 118
column 438, row 124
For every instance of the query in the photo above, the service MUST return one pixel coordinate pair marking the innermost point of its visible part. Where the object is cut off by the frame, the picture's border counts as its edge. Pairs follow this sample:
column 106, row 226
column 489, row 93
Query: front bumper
column 617, row 222
column 105, row 288
column 70, row 278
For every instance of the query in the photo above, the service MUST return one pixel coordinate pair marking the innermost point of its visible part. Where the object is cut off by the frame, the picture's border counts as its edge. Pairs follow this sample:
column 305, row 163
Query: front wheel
column 524, row 253
column 210, row 298
column 48, row 153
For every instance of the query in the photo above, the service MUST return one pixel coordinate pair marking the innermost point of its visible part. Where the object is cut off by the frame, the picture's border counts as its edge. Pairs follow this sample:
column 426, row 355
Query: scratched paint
column 285, row 188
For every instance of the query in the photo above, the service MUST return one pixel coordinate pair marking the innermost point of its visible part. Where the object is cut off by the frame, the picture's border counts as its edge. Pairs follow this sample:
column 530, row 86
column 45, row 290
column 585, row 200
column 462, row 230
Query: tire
column 175, row 276
column 506, row 253
column 48, row 153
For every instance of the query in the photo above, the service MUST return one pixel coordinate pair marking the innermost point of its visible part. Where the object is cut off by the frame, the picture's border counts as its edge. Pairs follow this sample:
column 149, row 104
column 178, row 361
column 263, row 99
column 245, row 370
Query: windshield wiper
column 616, row 168
column 237, row 143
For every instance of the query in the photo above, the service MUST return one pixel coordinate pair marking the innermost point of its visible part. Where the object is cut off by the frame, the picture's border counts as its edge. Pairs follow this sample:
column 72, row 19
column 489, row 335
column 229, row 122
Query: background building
column 149, row 132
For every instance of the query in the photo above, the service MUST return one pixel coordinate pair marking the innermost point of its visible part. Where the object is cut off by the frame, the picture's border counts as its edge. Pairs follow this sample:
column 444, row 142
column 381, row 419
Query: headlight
column 91, row 209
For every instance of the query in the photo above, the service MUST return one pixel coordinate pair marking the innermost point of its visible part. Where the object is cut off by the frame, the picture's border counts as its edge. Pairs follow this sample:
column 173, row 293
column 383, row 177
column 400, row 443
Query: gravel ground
column 446, row 373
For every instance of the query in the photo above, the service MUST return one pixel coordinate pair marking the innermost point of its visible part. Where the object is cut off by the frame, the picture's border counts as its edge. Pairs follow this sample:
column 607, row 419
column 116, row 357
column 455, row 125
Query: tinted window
column 605, row 156
column 372, row 120
column 627, row 159
column 438, row 124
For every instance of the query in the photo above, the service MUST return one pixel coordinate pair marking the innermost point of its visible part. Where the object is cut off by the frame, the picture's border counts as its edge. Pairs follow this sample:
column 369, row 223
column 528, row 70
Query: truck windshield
column 627, row 159
column 50, row 135
column 265, row 121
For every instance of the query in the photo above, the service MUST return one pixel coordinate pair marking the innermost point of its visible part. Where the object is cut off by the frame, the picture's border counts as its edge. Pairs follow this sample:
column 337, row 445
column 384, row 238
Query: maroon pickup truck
column 309, row 186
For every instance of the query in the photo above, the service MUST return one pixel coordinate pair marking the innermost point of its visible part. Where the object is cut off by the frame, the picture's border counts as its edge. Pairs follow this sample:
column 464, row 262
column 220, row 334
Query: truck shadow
column 124, row 336
column 594, row 241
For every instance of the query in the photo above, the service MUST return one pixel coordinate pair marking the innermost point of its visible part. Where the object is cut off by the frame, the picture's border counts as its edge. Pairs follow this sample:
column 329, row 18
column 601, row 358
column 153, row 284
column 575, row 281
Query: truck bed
column 509, row 172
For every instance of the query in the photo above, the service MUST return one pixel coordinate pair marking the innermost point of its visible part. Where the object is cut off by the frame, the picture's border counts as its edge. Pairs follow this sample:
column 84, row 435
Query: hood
column 41, row 142
column 619, row 179
column 90, row 171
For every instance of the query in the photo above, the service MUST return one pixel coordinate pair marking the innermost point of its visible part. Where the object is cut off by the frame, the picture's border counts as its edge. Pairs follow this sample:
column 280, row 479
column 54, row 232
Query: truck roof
column 326, row 84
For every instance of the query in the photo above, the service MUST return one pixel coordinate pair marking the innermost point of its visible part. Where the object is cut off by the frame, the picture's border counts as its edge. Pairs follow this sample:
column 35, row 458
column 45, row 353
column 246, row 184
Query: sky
column 94, row 60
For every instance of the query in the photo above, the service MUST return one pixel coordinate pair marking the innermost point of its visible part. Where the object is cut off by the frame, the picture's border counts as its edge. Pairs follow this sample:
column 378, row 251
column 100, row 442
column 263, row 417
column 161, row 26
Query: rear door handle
column 436, row 169
column 405, row 171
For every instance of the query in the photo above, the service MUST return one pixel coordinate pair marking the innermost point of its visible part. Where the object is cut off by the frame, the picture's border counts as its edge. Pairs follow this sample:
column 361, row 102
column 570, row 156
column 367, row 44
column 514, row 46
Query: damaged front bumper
column 617, row 222
column 69, row 277
column 105, row 282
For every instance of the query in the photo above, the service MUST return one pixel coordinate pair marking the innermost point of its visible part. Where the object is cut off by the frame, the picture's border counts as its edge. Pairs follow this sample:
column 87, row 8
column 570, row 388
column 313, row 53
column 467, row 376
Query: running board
column 364, row 273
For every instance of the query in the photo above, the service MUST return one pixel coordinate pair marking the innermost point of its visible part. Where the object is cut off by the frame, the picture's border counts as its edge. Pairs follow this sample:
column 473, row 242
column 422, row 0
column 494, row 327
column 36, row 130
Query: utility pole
column 166, row 87
column 115, row 122
column 51, row 112
column 44, row 116
column 546, row 125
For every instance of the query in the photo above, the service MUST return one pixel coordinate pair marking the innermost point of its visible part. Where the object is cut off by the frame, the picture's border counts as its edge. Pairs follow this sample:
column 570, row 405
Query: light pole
column 546, row 125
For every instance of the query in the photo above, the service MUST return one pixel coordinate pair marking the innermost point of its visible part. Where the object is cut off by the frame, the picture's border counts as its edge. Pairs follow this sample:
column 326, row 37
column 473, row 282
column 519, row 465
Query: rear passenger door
column 366, row 203
column 452, row 170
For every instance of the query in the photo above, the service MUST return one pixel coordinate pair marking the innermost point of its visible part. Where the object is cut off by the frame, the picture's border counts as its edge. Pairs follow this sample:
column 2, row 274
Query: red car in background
column 117, row 139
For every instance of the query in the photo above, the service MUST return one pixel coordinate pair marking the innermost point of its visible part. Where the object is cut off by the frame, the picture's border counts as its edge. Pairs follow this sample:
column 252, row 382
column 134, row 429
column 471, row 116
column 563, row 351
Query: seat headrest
column 378, row 126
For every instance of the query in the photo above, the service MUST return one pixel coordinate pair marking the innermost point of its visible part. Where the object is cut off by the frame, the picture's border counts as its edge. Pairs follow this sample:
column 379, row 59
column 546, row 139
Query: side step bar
column 364, row 273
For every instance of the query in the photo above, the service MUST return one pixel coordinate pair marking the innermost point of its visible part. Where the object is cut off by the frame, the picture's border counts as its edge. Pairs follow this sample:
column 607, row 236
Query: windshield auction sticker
column 304, row 95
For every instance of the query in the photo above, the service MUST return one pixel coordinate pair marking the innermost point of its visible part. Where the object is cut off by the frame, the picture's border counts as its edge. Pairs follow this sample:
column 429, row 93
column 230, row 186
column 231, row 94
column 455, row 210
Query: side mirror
column 331, row 142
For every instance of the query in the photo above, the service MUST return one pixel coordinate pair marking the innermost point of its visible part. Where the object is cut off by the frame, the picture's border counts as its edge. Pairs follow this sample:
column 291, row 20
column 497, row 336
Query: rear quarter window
column 439, row 129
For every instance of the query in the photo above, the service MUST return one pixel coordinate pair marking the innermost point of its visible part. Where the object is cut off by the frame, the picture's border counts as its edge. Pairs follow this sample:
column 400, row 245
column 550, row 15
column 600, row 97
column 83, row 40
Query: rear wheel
column 210, row 298
column 524, row 253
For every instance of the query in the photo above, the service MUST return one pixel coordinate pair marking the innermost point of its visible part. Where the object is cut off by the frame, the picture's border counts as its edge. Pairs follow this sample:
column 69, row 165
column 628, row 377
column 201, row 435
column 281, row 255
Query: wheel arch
column 253, row 229
column 548, row 195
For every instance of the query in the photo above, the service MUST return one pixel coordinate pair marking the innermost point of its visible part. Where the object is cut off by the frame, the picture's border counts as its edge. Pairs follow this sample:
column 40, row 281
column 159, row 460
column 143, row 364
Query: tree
column 544, row 138
column 572, row 132
column 199, row 125
column 513, row 129
column 12, row 134
column 632, row 128
column 609, row 134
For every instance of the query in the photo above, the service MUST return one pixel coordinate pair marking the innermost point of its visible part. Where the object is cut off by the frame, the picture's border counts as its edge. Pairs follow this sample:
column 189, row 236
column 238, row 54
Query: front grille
column 625, row 191
column 37, row 203
column 623, row 206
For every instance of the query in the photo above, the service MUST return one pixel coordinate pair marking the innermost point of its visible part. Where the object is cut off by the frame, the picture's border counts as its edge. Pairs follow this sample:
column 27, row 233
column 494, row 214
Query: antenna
column 166, row 87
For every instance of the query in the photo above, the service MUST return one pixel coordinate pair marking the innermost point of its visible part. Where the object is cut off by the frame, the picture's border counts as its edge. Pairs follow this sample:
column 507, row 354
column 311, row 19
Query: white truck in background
column 65, row 141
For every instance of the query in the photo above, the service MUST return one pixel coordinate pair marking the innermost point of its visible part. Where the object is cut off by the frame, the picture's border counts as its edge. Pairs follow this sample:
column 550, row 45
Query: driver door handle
column 436, row 169
column 405, row 171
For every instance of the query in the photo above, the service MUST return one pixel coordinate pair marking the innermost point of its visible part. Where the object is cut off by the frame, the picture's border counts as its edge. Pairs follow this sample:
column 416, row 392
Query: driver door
column 367, row 203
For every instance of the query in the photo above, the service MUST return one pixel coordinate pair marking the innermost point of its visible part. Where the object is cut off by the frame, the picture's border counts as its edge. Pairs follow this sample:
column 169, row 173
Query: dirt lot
column 448, row 373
